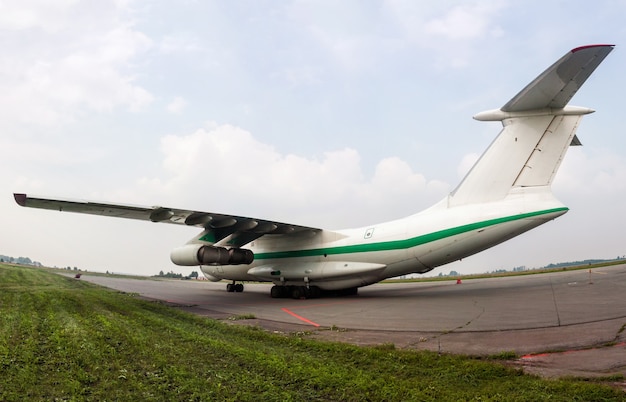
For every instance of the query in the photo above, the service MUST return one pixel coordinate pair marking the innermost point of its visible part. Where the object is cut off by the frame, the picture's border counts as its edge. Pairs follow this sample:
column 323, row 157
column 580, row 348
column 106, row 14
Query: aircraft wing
column 557, row 85
column 241, row 230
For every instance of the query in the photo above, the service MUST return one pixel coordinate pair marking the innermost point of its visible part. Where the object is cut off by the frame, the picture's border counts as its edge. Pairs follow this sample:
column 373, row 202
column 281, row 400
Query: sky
column 321, row 113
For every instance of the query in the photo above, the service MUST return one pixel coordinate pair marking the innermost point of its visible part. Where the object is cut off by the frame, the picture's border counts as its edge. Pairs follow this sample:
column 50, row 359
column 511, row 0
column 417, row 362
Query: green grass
column 242, row 317
column 65, row 339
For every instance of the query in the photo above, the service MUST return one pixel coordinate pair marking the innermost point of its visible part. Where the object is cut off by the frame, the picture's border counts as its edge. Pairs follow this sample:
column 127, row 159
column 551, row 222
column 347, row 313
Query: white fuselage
column 415, row 244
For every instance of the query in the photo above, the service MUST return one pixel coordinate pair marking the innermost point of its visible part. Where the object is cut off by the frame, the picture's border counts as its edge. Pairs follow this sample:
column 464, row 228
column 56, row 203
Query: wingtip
column 20, row 199
column 579, row 48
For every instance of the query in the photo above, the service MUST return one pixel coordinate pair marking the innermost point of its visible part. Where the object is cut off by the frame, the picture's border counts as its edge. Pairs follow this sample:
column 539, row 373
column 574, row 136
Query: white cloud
column 586, row 173
column 52, row 155
column 468, row 21
column 448, row 32
column 228, row 170
column 56, row 64
column 352, row 35
column 179, row 42
column 22, row 15
column 177, row 105
column 471, row 20
column 394, row 176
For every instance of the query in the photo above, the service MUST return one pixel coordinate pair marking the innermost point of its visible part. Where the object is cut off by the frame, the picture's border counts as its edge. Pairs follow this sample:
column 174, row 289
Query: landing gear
column 295, row 292
column 298, row 292
column 234, row 287
column 314, row 292
column 278, row 292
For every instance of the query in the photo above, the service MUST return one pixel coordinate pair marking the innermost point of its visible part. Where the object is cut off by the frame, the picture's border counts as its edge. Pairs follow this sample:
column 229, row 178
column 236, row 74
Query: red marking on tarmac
column 299, row 317
column 533, row 356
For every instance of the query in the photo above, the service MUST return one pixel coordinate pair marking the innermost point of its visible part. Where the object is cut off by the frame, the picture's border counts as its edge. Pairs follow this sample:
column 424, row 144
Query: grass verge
column 63, row 339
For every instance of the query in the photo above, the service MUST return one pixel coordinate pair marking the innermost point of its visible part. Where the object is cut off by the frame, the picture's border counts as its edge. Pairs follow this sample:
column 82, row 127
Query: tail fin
column 538, row 129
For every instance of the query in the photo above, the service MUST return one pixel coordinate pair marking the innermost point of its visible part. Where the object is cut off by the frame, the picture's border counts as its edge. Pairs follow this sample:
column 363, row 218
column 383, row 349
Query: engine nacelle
column 200, row 254
column 238, row 256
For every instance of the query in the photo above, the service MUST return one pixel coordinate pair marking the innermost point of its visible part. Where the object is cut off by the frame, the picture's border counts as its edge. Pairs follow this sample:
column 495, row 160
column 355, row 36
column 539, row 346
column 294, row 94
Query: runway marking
column 299, row 317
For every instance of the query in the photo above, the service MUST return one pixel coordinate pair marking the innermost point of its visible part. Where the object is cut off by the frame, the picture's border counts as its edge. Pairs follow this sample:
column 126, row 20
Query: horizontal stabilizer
column 557, row 85
column 538, row 128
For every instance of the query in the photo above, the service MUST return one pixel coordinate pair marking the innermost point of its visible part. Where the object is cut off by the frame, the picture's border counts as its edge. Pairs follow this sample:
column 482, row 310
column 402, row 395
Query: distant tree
column 194, row 274
column 24, row 261
column 453, row 273
column 170, row 274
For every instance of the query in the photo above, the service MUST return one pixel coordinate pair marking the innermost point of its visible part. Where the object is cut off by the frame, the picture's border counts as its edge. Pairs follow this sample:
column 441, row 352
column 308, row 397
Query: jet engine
column 200, row 254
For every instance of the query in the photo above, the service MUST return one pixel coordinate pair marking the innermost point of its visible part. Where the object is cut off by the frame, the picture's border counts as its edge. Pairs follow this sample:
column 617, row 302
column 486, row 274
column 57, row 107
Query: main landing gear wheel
column 278, row 292
column 234, row 287
column 295, row 292
column 298, row 292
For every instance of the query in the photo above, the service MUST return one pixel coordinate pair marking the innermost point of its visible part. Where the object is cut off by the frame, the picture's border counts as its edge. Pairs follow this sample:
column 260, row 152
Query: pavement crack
column 619, row 336
column 467, row 324
column 556, row 306
column 449, row 331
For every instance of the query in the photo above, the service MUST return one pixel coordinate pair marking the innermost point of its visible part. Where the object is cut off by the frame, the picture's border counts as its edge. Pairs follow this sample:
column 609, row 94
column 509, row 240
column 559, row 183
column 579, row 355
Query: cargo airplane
column 506, row 193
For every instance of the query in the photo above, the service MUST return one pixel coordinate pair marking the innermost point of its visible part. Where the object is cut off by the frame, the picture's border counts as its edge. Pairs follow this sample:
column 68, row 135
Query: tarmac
column 568, row 323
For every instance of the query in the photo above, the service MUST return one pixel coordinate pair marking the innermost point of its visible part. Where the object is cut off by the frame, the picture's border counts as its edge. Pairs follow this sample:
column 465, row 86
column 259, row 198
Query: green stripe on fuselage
column 402, row 244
